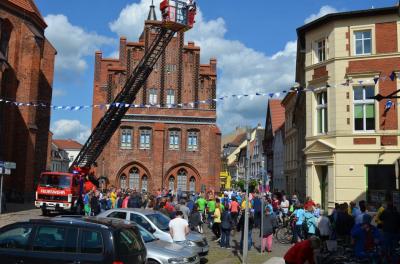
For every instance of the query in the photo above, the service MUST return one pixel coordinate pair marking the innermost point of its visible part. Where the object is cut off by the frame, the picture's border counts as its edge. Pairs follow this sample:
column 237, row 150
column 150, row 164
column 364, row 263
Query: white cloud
column 130, row 20
column 70, row 129
column 322, row 12
column 72, row 43
column 241, row 69
column 59, row 92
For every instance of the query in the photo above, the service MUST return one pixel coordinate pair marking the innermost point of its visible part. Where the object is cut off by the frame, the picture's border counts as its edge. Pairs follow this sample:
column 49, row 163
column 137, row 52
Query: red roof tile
column 277, row 112
column 239, row 139
column 67, row 144
column 30, row 7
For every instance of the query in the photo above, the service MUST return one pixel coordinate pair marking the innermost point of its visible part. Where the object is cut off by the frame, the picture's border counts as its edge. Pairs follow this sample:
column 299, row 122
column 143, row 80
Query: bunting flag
column 347, row 82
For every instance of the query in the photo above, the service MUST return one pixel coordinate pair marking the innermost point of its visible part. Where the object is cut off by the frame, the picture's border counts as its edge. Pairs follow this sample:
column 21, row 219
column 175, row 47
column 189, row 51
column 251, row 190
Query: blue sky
column 254, row 44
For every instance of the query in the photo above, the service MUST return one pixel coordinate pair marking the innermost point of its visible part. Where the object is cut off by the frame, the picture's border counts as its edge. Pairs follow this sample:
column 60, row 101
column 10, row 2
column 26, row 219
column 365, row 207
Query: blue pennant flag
column 258, row 94
column 388, row 105
column 271, row 95
column 376, row 79
column 392, row 76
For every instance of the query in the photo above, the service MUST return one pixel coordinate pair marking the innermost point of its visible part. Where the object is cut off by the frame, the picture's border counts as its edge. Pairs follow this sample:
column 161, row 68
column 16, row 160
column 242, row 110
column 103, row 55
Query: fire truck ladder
column 117, row 110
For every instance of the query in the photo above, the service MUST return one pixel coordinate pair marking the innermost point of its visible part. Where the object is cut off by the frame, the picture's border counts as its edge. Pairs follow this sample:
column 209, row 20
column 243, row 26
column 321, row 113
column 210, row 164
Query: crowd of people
column 349, row 224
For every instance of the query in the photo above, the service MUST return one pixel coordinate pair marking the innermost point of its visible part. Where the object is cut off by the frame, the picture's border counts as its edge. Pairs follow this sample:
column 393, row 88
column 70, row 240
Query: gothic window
column 171, row 183
column 192, row 184
column 5, row 33
column 122, row 182
column 134, row 179
column 182, row 181
column 144, row 183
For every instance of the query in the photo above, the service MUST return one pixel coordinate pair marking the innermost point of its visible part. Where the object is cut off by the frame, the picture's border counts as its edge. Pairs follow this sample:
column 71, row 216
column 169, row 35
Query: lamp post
column 246, row 212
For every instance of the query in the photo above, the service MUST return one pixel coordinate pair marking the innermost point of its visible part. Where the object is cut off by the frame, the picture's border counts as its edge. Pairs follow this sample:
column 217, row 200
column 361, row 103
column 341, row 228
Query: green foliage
column 240, row 184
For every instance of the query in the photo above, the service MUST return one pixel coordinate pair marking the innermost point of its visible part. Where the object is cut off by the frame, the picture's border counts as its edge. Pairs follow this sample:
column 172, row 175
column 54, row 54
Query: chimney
column 152, row 12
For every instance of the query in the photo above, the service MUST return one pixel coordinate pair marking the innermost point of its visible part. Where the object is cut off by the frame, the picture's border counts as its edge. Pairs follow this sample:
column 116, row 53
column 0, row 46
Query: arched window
column 192, row 184
column 182, row 181
column 5, row 34
column 171, row 183
column 122, row 182
column 134, row 179
column 144, row 183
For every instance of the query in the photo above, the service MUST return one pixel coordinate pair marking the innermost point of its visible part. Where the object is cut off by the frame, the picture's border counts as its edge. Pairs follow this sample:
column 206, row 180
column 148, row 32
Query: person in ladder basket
column 192, row 10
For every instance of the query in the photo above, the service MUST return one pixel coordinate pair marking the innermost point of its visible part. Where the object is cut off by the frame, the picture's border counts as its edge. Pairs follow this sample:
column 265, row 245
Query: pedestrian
column 210, row 210
column 268, row 229
column 179, row 228
column 344, row 224
column 303, row 252
column 226, row 228
column 195, row 220
column 86, row 202
column 365, row 237
column 257, row 211
column 324, row 226
column 354, row 210
column 310, row 223
column 299, row 219
column 363, row 210
column 234, row 210
column 201, row 203
column 284, row 206
column 240, row 227
column 95, row 204
column 185, row 210
column 216, row 226
column 390, row 219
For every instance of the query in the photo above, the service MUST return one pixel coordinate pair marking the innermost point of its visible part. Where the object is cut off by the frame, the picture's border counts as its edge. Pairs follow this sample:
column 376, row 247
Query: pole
column 246, row 212
column 262, row 211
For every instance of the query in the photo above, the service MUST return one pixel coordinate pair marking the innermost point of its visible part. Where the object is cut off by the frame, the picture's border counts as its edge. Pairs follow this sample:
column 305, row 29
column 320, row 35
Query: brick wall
column 159, row 163
column 24, row 133
column 386, row 37
column 386, row 66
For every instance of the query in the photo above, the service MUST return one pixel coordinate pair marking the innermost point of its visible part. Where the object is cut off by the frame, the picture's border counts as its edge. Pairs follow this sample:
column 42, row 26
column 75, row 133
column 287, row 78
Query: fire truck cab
column 58, row 191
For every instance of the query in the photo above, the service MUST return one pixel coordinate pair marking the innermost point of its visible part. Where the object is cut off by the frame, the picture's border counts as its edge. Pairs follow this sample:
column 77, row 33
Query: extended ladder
column 111, row 120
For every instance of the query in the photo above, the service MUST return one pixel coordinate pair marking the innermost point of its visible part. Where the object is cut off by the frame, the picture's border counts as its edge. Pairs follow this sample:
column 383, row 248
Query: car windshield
column 160, row 220
column 146, row 235
column 55, row 180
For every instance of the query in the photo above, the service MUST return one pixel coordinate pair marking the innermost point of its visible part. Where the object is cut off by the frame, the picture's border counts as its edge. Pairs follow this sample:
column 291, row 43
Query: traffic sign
column 1, row 170
column 1, row 164
column 10, row 165
column 7, row 171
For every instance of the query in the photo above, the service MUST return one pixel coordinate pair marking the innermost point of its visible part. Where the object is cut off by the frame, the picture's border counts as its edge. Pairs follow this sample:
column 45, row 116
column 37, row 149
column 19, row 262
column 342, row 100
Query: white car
column 158, row 224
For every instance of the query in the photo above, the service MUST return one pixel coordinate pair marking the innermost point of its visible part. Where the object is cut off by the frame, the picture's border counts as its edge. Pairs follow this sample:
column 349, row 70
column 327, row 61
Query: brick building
column 26, row 74
column 352, row 142
column 161, row 143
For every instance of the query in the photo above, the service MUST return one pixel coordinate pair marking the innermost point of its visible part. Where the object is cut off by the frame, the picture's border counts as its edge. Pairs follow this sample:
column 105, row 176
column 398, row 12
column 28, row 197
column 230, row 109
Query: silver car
column 158, row 224
column 161, row 252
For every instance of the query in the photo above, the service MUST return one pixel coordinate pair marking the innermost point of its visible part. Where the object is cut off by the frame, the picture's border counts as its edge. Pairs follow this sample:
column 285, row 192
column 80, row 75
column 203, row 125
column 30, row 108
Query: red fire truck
column 58, row 191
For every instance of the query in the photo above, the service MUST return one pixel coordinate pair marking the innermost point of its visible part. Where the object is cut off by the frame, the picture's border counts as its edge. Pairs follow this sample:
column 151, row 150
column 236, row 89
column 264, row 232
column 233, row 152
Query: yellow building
column 352, row 141
column 225, row 180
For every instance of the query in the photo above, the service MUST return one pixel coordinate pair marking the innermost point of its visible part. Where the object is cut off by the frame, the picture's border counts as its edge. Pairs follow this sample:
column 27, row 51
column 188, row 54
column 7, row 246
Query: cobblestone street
column 216, row 255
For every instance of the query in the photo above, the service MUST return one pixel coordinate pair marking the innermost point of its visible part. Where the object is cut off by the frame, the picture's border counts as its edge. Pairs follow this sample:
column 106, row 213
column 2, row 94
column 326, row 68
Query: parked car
column 72, row 240
column 158, row 224
column 162, row 252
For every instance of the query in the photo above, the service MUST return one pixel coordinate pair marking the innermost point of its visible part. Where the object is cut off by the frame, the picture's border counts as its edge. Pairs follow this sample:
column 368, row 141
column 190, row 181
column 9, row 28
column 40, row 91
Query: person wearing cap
column 366, row 237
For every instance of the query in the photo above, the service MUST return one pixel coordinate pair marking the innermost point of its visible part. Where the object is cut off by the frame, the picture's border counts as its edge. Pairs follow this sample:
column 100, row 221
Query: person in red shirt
column 303, row 252
column 234, row 210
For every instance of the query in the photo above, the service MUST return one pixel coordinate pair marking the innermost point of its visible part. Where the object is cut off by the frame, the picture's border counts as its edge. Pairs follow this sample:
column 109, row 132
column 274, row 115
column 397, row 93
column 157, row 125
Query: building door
column 323, row 181
column 381, row 183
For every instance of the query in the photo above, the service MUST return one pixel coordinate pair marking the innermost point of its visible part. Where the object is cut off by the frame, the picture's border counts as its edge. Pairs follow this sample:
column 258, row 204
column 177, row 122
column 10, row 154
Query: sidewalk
column 275, row 260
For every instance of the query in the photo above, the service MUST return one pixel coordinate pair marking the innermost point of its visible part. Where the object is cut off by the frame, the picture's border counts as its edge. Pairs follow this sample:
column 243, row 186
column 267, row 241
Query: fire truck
column 58, row 191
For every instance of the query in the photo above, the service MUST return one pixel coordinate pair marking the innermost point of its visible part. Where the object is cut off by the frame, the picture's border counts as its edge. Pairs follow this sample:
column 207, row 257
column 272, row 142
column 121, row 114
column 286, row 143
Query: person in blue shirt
column 366, row 237
column 298, row 228
column 311, row 223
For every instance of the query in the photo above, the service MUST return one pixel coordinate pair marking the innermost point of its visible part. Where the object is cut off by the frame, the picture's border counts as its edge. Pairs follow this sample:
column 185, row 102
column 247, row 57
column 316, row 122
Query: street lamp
column 246, row 212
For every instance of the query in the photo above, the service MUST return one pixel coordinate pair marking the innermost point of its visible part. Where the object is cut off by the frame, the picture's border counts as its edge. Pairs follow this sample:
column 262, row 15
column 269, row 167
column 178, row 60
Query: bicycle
column 284, row 232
